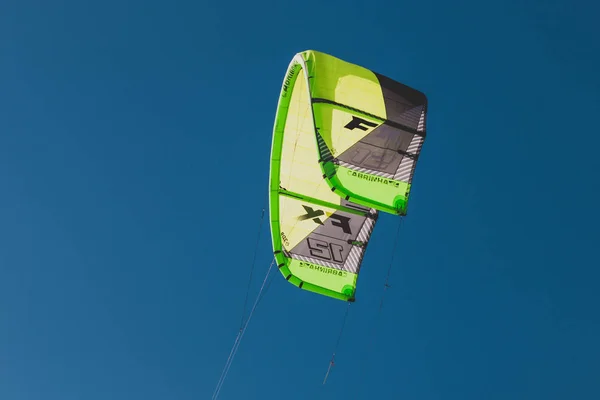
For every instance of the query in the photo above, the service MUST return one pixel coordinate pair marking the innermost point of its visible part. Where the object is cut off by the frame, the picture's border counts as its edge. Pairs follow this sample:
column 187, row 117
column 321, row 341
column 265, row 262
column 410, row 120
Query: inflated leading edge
column 345, row 145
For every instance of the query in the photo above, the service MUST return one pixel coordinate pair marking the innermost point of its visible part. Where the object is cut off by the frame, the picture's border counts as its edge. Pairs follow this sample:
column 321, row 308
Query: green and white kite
column 345, row 145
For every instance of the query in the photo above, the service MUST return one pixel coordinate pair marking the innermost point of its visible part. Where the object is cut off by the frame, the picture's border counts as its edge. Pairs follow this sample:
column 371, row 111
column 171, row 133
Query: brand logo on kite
column 322, row 269
column 357, row 123
column 288, row 80
column 373, row 178
column 336, row 220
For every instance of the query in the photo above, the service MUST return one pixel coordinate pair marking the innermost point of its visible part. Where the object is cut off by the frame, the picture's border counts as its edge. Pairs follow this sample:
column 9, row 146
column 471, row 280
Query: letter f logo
column 356, row 123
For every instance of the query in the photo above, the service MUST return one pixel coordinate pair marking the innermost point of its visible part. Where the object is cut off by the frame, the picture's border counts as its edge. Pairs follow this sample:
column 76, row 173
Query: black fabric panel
column 381, row 150
column 403, row 104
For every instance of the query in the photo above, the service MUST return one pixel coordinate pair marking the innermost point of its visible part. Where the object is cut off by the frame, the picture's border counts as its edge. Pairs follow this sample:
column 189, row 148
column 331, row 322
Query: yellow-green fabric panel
column 344, row 83
column 332, row 119
column 299, row 168
column 341, row 81
column 294, row 230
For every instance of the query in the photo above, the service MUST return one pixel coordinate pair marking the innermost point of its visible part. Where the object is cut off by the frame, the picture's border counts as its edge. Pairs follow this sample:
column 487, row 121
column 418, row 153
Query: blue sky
column 134, row 154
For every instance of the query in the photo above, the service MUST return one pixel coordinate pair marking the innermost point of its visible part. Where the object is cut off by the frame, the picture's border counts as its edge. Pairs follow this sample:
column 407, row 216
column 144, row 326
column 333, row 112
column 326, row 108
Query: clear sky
column 134, row 155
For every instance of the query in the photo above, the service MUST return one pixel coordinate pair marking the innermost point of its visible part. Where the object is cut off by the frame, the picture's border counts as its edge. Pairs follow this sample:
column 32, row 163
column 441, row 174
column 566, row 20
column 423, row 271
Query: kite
column 345, row 145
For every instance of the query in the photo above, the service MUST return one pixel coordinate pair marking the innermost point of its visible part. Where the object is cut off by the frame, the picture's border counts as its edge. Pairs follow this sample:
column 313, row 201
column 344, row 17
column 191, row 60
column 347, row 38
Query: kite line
column 386, row 286
column 246, row 320
column 337, row 343
column 240, row 334
column 262, row 217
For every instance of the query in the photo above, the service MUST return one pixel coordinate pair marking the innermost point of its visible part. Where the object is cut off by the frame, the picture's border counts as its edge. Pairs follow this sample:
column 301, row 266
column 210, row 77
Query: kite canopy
column 345, row 145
